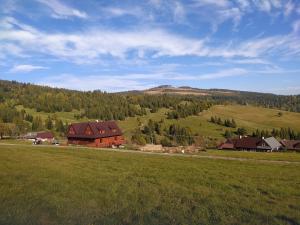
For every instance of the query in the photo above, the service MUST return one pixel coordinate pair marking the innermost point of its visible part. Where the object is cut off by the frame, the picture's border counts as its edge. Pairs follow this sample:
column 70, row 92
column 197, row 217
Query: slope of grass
column 250, row 117
column 65, row 186
column 64, row 116
column 253, row 117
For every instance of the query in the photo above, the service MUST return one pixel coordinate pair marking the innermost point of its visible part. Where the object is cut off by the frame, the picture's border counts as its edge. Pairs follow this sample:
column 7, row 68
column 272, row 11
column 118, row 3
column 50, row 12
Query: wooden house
column 42, row 136
column 291, row 144
column 251, row 144
column 95, row 134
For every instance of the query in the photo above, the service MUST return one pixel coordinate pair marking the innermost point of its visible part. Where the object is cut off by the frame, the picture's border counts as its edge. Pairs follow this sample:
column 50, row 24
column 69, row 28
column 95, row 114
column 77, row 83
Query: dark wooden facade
column 95, row 134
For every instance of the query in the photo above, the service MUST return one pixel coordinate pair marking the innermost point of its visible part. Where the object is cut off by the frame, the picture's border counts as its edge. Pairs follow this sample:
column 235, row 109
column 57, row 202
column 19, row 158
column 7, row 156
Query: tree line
column 188, row 109
column 225, row 122
column 282, row 133
column 155, row 133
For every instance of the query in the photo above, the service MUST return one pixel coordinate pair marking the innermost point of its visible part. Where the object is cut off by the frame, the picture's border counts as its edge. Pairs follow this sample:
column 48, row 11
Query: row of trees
column 284, row 102
column 188, row 109
column 282, row 133
column 226, row 122
column 241, row 131
column 154, row 132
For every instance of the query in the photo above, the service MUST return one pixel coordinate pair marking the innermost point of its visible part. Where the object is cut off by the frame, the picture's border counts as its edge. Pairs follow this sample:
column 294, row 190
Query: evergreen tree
column 48, row 123
column 37, row 124
column 227, row 134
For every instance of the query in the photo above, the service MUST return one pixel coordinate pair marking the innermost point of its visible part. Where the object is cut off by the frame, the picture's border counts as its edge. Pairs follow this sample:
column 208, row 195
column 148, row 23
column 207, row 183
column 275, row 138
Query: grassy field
column 49, row 185
column 276, row 156
column 249, row 117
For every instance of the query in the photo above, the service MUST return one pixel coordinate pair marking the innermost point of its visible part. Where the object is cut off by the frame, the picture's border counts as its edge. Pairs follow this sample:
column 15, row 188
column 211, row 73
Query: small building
column 269, row 144
column 251, row 144
column 95, row 134
column 291, row 144
column 227, row 145
column 45, row 136
column 42, row 136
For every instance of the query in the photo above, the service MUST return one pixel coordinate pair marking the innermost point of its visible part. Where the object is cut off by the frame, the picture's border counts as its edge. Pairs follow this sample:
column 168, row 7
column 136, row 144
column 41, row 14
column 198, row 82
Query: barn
column 95, row 134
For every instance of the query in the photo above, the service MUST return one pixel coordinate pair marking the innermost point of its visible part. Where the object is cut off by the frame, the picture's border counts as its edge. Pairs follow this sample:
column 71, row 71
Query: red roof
column 226, row 146
column 94, row 130
column 44, row 135
column 291, row 144
column 248, row 142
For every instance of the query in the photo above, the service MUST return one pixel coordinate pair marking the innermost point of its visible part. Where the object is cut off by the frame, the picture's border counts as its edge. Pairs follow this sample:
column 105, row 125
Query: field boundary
column 162, row 154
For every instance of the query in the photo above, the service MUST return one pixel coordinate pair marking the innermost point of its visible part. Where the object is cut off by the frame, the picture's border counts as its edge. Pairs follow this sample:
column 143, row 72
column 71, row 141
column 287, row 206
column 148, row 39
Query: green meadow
column 57, row 185
column 249, row 117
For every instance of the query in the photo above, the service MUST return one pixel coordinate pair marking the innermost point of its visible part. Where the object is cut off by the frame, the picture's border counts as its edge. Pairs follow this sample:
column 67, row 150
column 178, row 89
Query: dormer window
column 88, row 131
column 71, row 131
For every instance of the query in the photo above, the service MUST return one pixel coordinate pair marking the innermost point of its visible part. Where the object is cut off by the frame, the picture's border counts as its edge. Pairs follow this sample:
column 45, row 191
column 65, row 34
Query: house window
column 114, row 130
column 71, row 131
column 88, row 131
column 102, row 131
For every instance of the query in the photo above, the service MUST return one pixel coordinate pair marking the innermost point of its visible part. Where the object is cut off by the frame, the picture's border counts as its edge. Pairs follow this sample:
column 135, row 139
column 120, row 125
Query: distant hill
column 186, row 90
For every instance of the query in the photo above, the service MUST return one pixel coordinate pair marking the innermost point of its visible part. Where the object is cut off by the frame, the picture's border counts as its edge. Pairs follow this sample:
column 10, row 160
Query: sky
column 121, row 45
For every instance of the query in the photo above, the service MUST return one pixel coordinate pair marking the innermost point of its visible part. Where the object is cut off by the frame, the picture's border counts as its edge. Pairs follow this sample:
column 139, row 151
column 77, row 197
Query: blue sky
column 133, row 44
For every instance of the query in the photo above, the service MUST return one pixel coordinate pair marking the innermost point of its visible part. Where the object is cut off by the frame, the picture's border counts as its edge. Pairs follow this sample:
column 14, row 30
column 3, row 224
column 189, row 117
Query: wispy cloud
column 134, row 81
column 62, row 11
column 118, row 11
column 101, row 43
column 25, row 68
column 92, row 82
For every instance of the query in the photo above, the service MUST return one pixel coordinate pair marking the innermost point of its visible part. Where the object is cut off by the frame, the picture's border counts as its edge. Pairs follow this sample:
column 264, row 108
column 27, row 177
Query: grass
column 250, row 117
column 64, row 116
column 74, row 186
column 276, row 156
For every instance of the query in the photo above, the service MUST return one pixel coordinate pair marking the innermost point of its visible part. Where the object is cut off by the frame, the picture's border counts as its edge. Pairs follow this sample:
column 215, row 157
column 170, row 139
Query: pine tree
column 48, row 123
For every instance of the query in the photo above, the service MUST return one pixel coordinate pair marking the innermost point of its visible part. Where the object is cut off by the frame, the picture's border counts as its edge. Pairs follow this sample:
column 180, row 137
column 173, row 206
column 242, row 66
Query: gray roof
column 272, row 142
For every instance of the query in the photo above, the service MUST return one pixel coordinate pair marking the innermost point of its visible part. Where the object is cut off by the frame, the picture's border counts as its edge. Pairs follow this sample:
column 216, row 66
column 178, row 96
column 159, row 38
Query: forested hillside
column 26, row 107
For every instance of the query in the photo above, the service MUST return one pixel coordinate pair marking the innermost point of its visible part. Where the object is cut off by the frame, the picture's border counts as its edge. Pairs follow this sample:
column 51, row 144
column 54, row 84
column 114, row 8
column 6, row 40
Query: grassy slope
column 65, row 186
column 249, row 117
column 64, row 116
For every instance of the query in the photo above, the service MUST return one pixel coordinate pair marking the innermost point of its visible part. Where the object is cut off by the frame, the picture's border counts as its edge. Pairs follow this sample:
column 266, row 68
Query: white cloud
column 118, row 12
column 92, row 82
column 179, row 12
column 99, row 43
column 252, row 61
column 62, row 11
column 288, row 8
column 296, row 26
column 25, row 68
column 218, row 3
